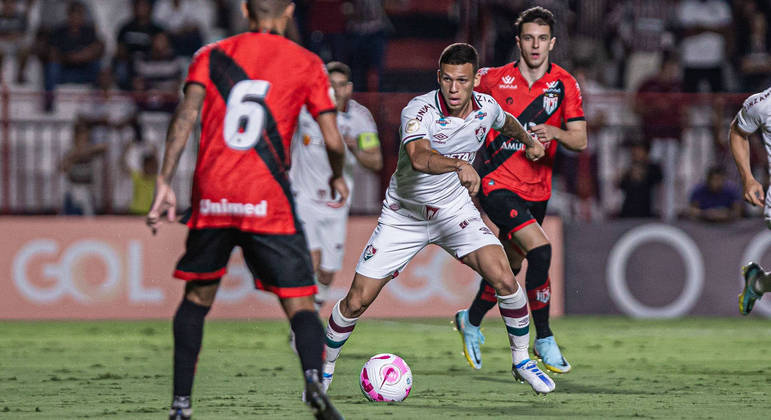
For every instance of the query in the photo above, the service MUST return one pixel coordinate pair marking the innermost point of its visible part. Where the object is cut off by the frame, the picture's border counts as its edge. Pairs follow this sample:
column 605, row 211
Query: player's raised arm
column 335, row 153
column 512, row 128
column 180, row 127
column 740, row 149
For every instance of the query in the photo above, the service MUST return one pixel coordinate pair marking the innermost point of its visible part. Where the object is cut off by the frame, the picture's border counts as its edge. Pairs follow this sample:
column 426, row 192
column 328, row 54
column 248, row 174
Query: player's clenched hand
column 164, row 201
column 535, row 151
column 469, row 178
column 339, row 192
column 753, row 192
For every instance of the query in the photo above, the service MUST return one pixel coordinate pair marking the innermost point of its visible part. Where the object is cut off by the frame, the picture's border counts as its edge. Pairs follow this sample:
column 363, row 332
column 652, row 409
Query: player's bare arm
column 335, row 153
column 574, row 138
column 425, row 160
column 180, row 127
column 740, row 149
column 369, row 157
column 512, row 128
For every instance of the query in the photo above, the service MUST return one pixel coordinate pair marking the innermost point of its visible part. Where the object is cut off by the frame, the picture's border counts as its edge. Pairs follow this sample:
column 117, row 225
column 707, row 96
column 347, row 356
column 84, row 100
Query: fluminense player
column 324, row 219
column 755, row 115
column 249, row 90
column 515, row 191
column 429, row 202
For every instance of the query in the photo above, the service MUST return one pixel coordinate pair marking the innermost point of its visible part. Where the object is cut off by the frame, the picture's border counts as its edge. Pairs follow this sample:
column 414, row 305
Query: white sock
column 339, row 328
column 513, row 309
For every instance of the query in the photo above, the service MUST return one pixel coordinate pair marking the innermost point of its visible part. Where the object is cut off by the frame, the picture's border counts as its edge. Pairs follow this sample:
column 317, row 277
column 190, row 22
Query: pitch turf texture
column 691, row 368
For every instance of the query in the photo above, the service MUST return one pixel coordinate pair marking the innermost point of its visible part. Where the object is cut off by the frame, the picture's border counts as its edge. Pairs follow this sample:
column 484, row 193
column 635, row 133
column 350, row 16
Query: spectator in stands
column 13, row 31
column 638, row 183
column 715, row 200
column 106, row 110
column 181, row 19
column 662, row 119
column 143, row 179
column 753, row 40
column 75, row 53
column 705, row 26
column 643, row 31
column 135, row 38
column 157, row 76
column 78, row 166
column 366, row 32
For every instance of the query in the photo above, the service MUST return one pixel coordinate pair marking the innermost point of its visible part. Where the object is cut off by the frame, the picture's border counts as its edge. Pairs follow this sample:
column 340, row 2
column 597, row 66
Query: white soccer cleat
column 326, row 375
column 528, row 371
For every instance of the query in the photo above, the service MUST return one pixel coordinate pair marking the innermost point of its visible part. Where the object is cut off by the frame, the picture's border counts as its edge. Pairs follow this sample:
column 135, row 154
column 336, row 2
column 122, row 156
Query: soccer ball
column 385, row 377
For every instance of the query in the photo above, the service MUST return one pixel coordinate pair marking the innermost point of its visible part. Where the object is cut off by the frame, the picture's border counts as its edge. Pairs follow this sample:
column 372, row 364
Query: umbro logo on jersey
column 440, row 138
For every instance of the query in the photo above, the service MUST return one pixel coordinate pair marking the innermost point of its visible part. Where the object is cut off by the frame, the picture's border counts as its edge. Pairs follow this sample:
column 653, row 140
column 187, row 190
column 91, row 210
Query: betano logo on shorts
column 222, row 206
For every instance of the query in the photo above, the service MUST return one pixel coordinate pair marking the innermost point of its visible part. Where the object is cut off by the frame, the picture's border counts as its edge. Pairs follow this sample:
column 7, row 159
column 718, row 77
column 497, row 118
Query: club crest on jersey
column 480, row 133
column 550, row 103
column 369, row 252
column 481, row 115
column 442, row 122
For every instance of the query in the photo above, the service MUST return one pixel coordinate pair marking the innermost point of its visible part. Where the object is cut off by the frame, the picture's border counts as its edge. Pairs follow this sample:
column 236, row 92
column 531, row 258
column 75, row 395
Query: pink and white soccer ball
column 385, row 377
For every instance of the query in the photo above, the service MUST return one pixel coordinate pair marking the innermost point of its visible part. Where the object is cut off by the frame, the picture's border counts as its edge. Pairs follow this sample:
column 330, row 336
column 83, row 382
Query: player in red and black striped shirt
column 547, row 100
column 249, row 89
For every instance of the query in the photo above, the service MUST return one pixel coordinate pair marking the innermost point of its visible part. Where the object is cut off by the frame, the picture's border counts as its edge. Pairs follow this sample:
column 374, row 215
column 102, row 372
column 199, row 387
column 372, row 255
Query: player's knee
column 502, row 279
column 202, row 292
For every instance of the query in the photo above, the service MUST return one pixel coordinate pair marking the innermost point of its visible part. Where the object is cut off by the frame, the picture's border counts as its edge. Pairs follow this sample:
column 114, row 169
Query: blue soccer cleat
column 548, row 352
column 748, row 296
column 472, row 337
column 528, row 371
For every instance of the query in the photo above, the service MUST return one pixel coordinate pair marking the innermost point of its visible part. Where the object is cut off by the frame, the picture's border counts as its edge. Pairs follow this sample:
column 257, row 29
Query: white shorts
column 401, row 233
column 325, row 229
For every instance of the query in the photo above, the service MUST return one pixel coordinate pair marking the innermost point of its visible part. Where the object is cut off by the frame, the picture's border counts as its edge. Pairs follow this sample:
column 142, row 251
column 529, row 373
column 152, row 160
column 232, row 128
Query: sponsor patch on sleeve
column 412, row 126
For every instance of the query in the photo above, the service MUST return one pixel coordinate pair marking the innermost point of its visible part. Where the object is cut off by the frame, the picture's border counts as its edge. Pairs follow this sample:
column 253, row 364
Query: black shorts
column 280, row 264
column 510, row 212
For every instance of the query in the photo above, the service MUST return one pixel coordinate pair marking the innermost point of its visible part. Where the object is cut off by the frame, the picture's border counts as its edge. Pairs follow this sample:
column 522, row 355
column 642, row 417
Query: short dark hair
column 338, row 67
column 715, row 170
column 537, row 14
column 266, row 8
column 460, row 53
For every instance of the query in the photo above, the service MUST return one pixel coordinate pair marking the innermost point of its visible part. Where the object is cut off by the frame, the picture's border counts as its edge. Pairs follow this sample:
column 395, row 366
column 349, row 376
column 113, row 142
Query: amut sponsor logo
column 223, row 206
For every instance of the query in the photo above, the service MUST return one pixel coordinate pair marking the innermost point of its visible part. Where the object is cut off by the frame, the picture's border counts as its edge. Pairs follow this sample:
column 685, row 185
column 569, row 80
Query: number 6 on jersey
column 245, row 115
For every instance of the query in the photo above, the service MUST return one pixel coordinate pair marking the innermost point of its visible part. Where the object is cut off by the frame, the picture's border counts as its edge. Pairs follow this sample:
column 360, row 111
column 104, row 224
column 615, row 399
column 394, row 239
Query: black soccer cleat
column 317, row 399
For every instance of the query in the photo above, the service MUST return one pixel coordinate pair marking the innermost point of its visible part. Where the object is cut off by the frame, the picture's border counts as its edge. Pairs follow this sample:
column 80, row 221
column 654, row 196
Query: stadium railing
column 32, row 145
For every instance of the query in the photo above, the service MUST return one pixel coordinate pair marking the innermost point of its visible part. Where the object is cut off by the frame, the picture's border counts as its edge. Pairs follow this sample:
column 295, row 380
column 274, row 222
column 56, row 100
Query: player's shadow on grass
column 568, row 387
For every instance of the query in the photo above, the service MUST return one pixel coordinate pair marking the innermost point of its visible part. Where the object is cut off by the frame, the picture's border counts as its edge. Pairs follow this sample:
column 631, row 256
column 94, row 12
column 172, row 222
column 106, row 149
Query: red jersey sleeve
column 198, row 71
column 320, row 95
column 574, row 103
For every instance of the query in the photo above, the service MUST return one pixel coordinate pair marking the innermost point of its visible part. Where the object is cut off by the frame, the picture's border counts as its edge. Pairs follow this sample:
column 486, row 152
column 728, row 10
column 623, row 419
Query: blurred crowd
column 651, row 51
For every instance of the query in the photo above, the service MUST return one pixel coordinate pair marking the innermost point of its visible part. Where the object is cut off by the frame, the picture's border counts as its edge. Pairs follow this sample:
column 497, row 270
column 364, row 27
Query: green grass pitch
column 698, row 368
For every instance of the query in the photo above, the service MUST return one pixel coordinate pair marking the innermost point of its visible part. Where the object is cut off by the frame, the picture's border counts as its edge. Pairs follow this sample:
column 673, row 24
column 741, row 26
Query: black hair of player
column 258, row 9
column 338, row 67
column 460, row 53
column 537, row 14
